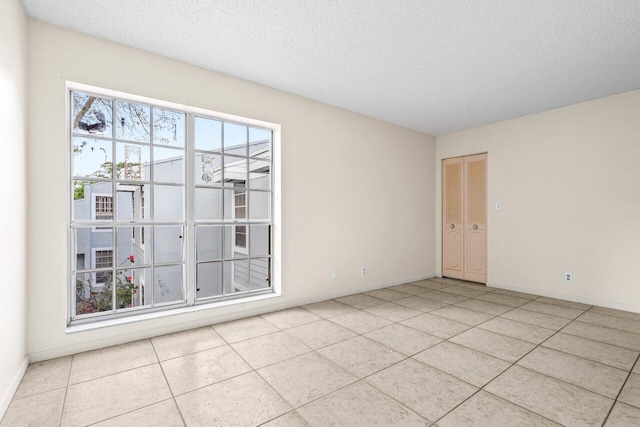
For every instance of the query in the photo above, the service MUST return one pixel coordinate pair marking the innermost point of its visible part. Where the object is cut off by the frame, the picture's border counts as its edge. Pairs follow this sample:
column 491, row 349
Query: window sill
column 71, row 329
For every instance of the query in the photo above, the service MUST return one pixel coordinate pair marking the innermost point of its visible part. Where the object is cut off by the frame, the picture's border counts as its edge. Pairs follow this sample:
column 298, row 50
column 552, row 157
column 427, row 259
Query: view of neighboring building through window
column 148, row 183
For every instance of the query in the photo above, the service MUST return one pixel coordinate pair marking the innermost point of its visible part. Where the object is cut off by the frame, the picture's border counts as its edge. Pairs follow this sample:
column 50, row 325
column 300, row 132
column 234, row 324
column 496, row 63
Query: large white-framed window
column 183, row 198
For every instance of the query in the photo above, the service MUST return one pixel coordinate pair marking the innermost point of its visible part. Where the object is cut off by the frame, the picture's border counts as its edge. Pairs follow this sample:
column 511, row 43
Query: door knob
column 475, row 226
column 452, row 226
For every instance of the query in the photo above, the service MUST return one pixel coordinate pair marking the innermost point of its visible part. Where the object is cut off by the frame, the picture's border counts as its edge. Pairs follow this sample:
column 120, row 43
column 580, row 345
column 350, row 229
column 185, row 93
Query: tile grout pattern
column 410, row 322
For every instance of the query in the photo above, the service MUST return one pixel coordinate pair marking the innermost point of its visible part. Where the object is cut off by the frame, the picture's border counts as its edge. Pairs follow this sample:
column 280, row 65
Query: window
column 174, row 204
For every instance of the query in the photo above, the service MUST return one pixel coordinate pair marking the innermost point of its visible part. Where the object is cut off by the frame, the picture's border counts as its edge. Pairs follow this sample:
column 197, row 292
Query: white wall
column 355, row 191
column 13, row 236
column 569, row 180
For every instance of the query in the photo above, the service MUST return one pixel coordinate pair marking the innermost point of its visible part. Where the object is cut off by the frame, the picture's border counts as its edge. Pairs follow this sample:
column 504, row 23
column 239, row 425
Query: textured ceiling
column 434, row 66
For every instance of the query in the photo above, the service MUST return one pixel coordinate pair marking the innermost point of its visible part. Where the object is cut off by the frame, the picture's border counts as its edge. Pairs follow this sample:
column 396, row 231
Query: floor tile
column 200, row 369
column 404, row 339
column 497, row 345
column 359, row 405
column 623, row 416
column 484, row 410
column 420, row 304
column 631, row 392
column 111, row 360
column 430, row 284
column 421, row 388
column 436, row 325
column 464, row 363
column 465, row 291
column 361, row 356
column 320, row 334
column 41, row 410
column 604, row 334
column 484, row 306
column 182, row 343
column 44, row 376
column 563, row 303
column 557, row 400
column 163, row 414
column 387, row 294
column 106, row 397
column 360, row 321
column 410, row 289
column 291, row 317
column 268, row 349
column 328, row 308
column 360, row 301
column 611, row 321
column 554, row 310
column 246, row 400
column 537, row 319
column 617, row 313
column 243, row 329
column 445, row 297
column 611, row 355
column 503, row 299
column 513, row 329
column 394, row 312
column 292, row 419
column 462, row 315
column 447, row 280
column 593, row 376
column 305, row 378
column 514, row 293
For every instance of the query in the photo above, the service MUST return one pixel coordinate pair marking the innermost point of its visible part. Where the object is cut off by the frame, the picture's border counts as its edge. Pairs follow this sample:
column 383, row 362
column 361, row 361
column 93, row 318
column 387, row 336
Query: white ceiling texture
column 431, row 65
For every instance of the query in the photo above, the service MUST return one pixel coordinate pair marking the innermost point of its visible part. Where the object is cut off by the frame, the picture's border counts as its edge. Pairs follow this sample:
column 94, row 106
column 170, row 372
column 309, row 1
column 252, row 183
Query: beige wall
column 569, row 180
column 355, row 191
column 13, row 63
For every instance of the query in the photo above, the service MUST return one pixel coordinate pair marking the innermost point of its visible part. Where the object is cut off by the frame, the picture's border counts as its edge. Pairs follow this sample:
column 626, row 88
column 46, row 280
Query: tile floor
column 434, row 352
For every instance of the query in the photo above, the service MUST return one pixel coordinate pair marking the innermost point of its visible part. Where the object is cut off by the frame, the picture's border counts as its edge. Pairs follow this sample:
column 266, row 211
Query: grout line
column 175, row 402
column 66, row 390
column 131, row 411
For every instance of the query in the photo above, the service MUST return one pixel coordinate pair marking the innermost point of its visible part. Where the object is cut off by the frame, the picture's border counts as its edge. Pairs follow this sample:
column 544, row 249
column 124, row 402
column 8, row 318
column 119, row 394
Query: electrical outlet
column 568, row 277
column 334, row 273
column 363, row 271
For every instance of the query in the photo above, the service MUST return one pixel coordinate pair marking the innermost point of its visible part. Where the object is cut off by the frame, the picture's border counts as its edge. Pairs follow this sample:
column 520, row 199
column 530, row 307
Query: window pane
column 207, row 169
column 91, row 241
column 260, row 273
column 236, row 276
column 91, row 297
column 92, row 157
column 92, row 115
column 167, row 284
column 168, row 244
column 260, row 143
column 259, row 205
column 209, row 279
column 235, row 139
column 133, row 121
column 168, row 165
column 233, row 233
column 132, row 162
column 130, row 285
column 260, row 174
column 168, row 202
column 208, row 134
column 84, row 193
column 131, row 248
column 208, row 204
column 133, row 201
column 168, row 127
column 260, row 240
column 208, row 243
column 235, row 171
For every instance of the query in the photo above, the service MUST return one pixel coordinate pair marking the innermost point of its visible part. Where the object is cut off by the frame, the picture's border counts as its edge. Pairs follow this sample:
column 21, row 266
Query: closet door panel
column 453, row 217
column 475, row 218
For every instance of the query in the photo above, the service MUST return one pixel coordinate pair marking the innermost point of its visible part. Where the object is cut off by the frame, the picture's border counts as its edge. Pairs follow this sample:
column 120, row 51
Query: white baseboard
column 183, row 326
column 568, row 297
column 13, row 387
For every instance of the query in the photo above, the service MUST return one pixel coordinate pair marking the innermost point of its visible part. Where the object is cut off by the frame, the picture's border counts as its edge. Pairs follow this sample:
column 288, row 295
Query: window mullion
column 190, row 265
